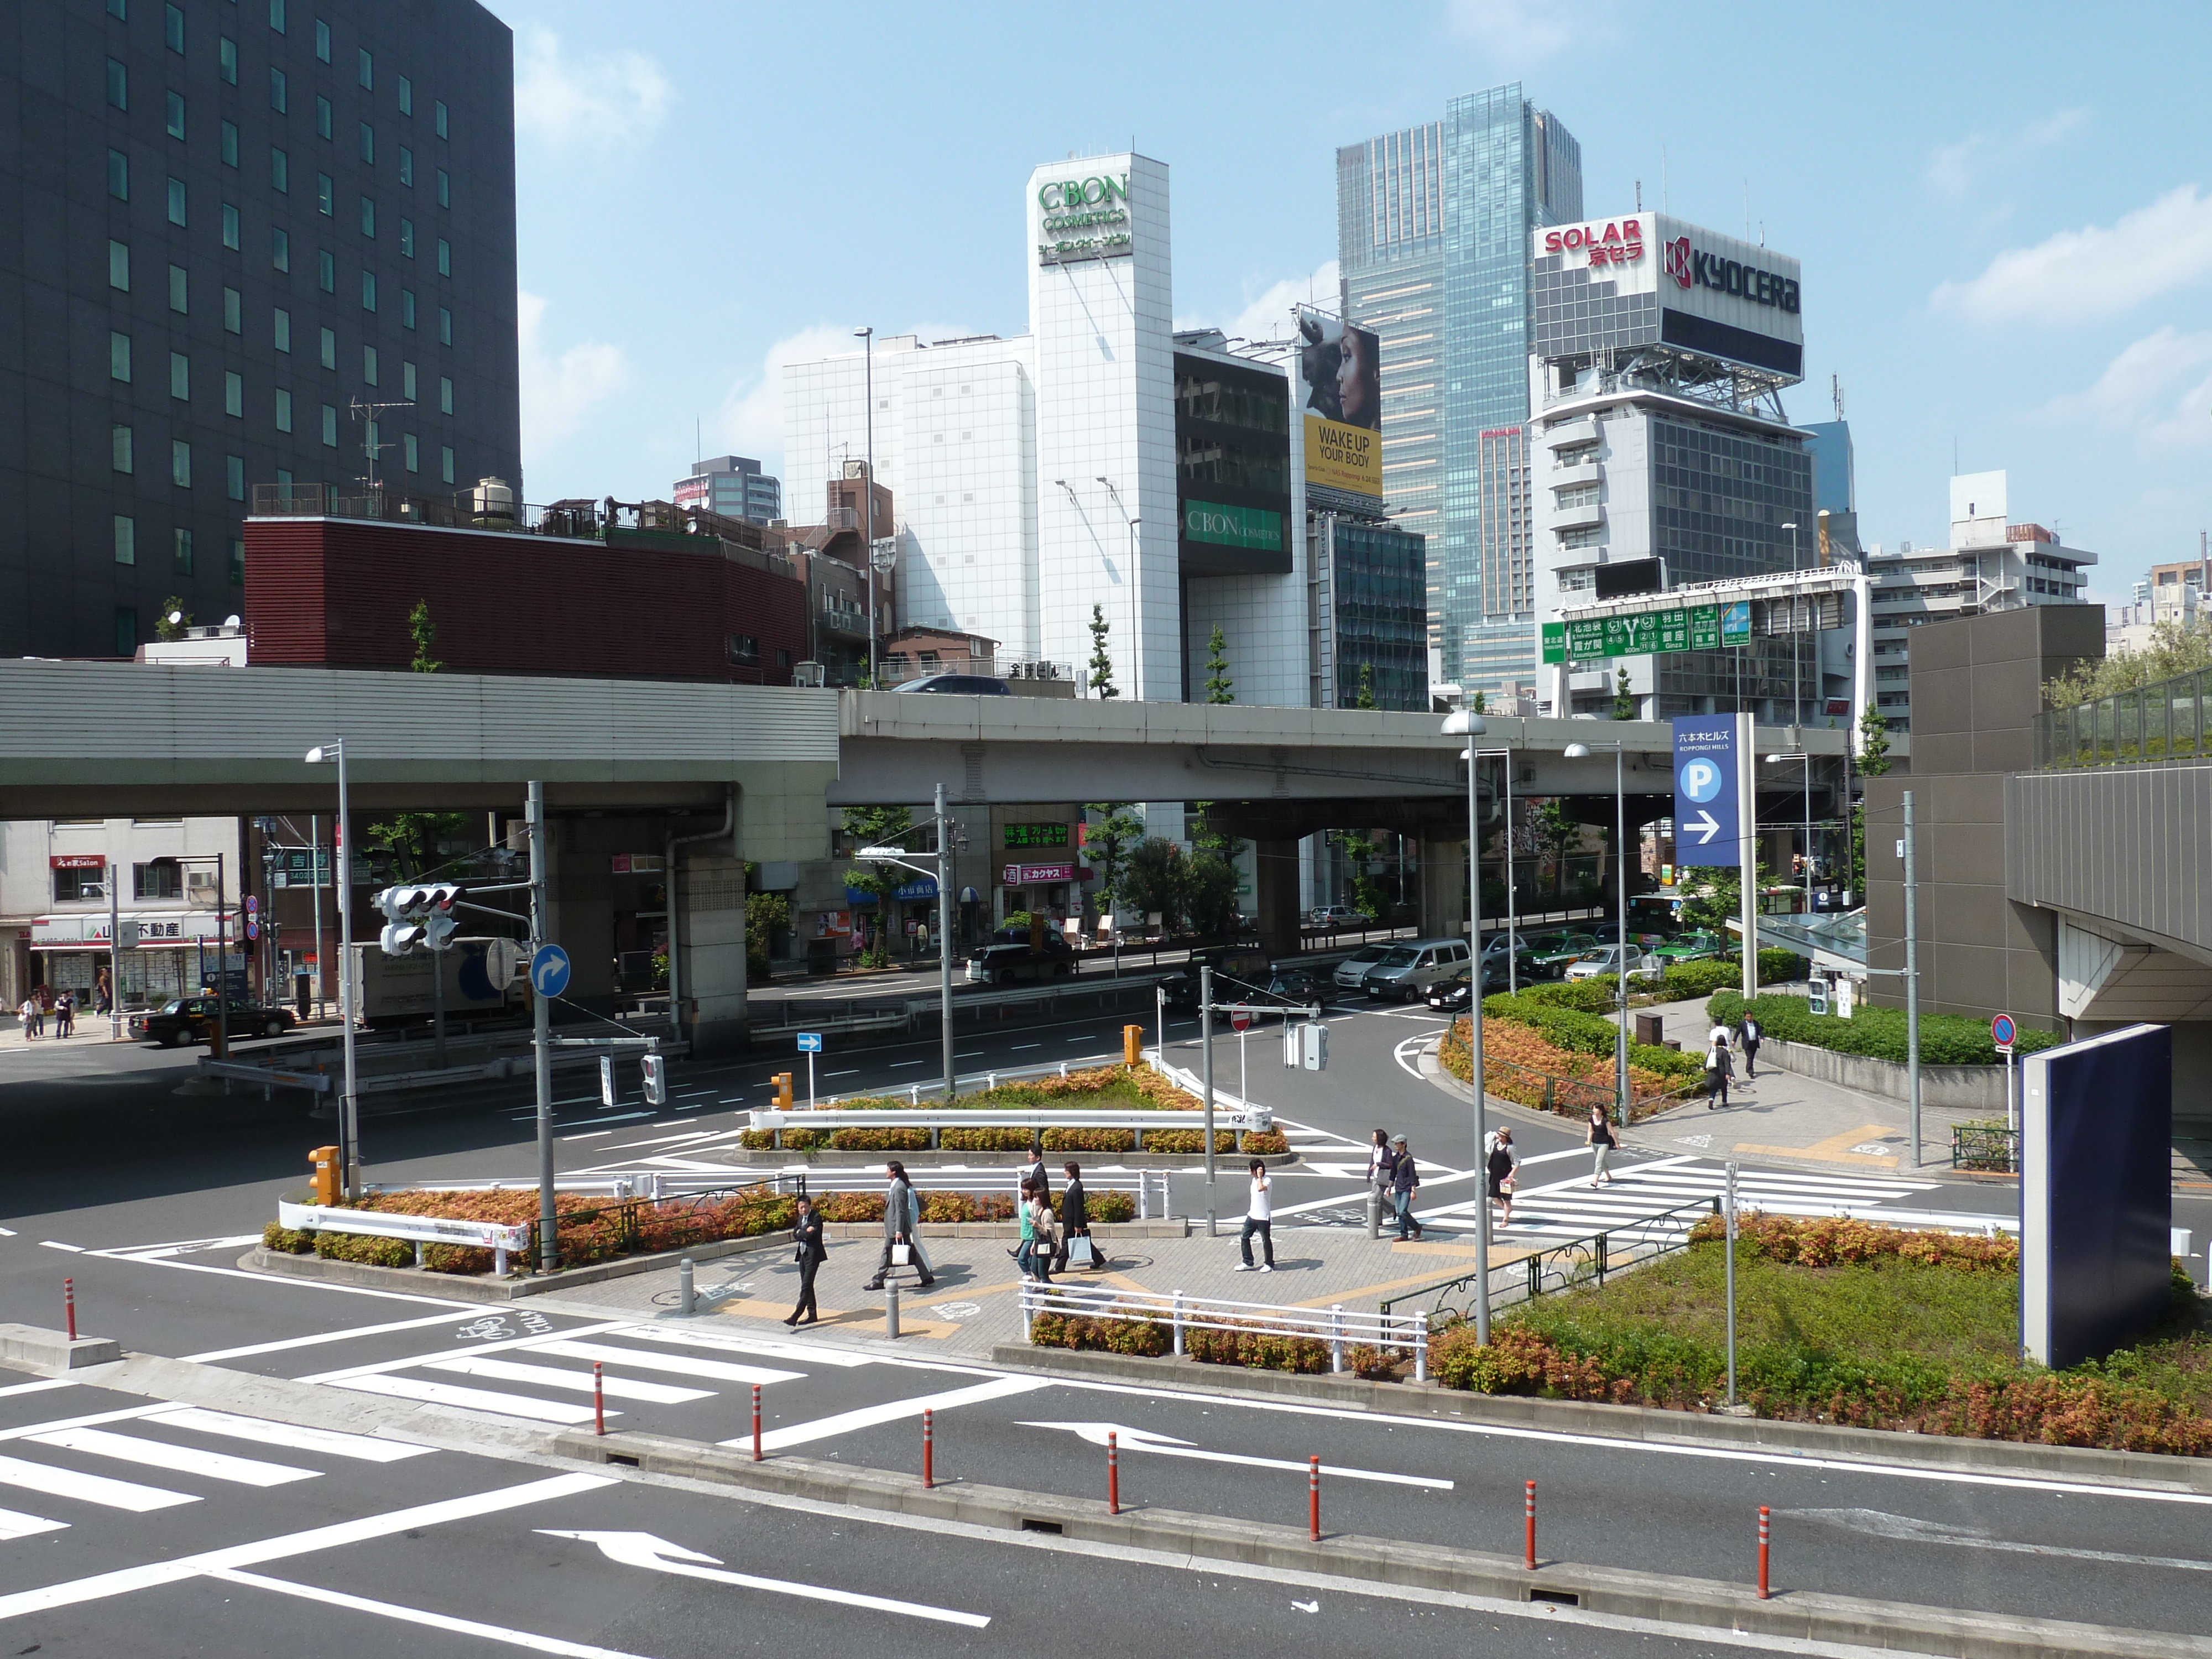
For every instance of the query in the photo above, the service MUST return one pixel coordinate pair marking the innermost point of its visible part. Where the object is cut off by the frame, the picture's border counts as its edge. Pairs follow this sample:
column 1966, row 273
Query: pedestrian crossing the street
column 46, row 1464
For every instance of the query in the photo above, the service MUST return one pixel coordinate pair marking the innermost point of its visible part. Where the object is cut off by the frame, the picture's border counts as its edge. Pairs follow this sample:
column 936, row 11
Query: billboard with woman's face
column 1340, row 367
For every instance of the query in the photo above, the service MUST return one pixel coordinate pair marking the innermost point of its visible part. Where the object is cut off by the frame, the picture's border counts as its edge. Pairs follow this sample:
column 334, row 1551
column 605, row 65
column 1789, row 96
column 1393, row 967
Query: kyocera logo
column 1690, row 268
column 1084, row 192
column 1678, row 260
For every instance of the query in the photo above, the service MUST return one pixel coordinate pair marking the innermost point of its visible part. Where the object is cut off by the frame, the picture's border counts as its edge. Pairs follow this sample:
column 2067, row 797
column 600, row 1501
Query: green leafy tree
column 1624, row 700
column 1102, row 666
column 1873, row 763
column 412, row 839
column 166, row 629
column 1559, row 832
column 1366, row 696
column 1209, row 892
column 1360, row 854
column 2173, row 649
column 1717, row 898
column 1220, row 688
column 767, row 914
column 1479, row 704
column 1107, row 843
column 425, row 634
column 878, row 826
column 1155, row 882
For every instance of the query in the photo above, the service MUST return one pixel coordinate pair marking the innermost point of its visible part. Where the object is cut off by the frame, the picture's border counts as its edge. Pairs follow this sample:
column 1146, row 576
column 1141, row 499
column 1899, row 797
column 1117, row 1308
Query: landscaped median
column 1548, row 1049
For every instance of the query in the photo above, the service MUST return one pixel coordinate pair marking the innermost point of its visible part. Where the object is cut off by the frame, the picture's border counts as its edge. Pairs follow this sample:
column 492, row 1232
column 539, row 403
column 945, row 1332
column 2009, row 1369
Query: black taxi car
column 192, row 1019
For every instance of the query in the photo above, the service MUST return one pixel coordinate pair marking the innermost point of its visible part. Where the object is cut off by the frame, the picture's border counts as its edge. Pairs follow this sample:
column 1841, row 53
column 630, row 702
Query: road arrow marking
column 1129, row 1440
column 1706, row 825
column 1911, row 1530
column 642, row 1549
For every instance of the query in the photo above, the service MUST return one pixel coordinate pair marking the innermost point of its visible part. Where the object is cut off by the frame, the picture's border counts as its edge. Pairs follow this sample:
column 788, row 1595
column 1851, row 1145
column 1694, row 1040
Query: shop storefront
column 164, row 954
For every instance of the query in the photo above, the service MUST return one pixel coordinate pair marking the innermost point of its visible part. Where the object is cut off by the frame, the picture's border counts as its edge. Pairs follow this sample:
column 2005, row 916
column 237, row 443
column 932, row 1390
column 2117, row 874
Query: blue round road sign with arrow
column 549, row 970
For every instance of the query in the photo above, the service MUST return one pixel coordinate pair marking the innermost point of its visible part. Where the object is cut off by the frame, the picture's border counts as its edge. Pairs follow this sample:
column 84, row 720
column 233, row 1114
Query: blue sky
column 2004, row 213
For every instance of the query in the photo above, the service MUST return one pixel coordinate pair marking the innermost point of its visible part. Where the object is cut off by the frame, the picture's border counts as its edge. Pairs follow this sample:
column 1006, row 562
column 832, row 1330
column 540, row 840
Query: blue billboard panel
column 1707, row 827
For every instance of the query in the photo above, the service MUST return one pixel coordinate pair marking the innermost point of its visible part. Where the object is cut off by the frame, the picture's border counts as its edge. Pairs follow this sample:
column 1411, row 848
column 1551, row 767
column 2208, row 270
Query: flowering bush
column 1824, row 1242
column 1524, row 1066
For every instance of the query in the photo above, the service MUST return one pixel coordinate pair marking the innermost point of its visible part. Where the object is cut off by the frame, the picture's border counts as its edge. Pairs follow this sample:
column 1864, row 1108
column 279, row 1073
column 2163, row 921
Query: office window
column 172, row 30
column 176, row 201
column 118, row 175
column 181, row 551
column 280, row 172
column 180, row 377
column 238, row 545
column 407, row 308
column 276, row 16
column 328, row 273
column 326, row 195
column 445, row 395
column 329, row 426
column 283, row 411
column 323, row 125
column 283, row 330
column 234, row 394
column 445, row 326
column 118, row 85
column 445, row 463
column 234, row 313
column 322, row 40
column 367, row 74
column 122, row 458
column 176, row 124
column 368, row 217
column 180, row 464
column 445, row 256
column 407, row 238
column 126, row 631
column 330, row 356
column 118, row 265
column 369, row 364
column 81, row 886
column 406, row 166
column 441, row 120
column 126, row 540
column 230, row 230
column 225, row 59
column 119, row 358
column 406, row 96
column 445, row 189
column 368, row 143
column 280, row 248
column 233, row 476
column 158, row 878
column 279, row 94
column 230, row 144
column 369, row 290
column 177, row 296
column 407, row 381
column 407, row 445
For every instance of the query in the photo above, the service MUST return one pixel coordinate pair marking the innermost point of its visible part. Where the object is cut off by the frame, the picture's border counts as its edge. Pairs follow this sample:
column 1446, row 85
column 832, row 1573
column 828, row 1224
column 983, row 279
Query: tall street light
column 940, row 863
column 1464, row 723
column 1135, row 689
column 867, row 336
column 342, row 880
column 1579, row 752
column 1512, row 917
column 1777, row 760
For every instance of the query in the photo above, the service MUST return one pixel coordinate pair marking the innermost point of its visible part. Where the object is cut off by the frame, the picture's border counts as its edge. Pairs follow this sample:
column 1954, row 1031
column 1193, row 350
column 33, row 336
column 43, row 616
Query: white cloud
column 751, row 419
column 619, row 100
column 2098, row 272
column 2158, row 390
column 1954, row 169
column 559, row 392
column 1524, row 30
column 1266, row 315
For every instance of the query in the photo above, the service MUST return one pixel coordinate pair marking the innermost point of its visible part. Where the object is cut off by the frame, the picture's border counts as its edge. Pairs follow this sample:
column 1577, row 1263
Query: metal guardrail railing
column 1985, row 1148
column 1182, row 1314
column 1564, row 1266
column 2169, row 720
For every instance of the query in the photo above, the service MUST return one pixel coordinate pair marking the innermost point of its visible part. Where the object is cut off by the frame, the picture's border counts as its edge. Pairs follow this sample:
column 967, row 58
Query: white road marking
column 177, row 1459
column 474, row 1400
column 39, row 1387
column 15, row 1524
column 335, row 1443
column 316, row 1340
column 180, row 1247
column 764, row 1347
column 408, row 1362
column 1912, row 1529
column 55, row 1244
column 552, row 1377
column 100, row 1586
column 868, row 1417
column 594, row 1135
column 520, row 1638
column 1144, row 1440
column 100, row 1489
column 643, row 1549
column 681, row 1364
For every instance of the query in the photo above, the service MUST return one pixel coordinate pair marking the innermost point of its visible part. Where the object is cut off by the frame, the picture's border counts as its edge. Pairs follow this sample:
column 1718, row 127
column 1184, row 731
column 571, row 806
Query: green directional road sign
column 1640, row 633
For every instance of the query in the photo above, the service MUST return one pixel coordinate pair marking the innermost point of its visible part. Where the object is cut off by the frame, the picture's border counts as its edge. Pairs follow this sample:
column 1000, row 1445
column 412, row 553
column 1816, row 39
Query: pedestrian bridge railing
column 1336, row 1326
column 1564, row 1266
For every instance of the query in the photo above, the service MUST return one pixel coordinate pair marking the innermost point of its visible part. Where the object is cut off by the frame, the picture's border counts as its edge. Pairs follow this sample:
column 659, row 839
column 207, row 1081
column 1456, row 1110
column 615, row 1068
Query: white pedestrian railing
column 1335, row 1326
column 420, row 1229
column 1227, row 1120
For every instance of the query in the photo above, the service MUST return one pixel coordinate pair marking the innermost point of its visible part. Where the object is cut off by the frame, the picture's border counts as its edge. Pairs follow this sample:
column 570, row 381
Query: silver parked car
column 1408, row 969
column 1351, row 972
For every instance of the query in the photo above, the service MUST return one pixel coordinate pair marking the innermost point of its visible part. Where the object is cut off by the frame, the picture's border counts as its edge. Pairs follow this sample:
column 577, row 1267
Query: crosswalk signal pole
column 549, row 1245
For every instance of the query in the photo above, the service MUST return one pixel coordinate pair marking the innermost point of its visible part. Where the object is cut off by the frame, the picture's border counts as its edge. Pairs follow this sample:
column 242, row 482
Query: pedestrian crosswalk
column 47, row 1461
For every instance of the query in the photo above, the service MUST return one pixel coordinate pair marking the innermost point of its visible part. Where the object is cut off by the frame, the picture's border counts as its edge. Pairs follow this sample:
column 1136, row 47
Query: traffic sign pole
column 541, row 1010
column 810, row 1044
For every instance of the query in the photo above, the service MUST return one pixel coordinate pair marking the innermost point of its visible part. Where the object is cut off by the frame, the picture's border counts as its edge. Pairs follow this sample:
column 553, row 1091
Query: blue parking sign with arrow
column 1707, row 827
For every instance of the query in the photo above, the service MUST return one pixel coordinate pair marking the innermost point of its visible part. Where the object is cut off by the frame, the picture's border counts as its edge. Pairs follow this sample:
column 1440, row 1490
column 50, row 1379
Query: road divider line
column 513, row 1638
column 869, row 1417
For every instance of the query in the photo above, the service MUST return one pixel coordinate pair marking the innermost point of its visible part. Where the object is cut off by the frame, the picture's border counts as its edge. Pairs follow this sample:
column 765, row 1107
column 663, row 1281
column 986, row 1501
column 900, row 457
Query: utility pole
column 1205, row 1044
column 1911, row 981
column 548, row 1246
column 944, row 876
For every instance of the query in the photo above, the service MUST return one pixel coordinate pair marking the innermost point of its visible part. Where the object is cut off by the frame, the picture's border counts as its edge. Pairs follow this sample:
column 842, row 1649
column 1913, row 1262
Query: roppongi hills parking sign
column 1707, row 814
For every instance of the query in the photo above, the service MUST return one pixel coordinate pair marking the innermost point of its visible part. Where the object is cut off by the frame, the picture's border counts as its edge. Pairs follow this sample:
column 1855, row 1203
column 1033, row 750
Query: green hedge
column 1878, row 1033
column 1539, row 1008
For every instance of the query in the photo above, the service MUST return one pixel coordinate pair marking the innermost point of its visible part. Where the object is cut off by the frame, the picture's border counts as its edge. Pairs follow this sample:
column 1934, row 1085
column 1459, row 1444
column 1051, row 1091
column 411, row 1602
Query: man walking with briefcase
column 1076, row 1246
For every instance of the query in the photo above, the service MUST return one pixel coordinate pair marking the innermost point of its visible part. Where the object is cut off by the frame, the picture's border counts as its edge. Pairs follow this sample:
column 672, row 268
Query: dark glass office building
column 225, row 227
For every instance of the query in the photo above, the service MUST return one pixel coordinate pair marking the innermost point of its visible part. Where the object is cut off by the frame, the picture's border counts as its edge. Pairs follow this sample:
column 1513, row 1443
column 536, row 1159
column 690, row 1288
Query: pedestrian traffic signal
column 656, row 1079
column 417, row 916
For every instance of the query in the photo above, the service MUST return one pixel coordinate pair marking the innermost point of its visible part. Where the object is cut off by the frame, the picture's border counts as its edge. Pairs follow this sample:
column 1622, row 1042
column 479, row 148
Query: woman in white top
column 1259, row 1218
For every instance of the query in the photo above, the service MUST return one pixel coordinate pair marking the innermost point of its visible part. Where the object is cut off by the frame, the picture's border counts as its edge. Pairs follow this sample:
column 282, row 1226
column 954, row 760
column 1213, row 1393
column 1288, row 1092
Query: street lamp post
column 1796, row 671
column 868, row 564
column 1135, row 689
column 1466, row 723
column 341, row 884
column 1578, row 751
column 940, row 864
column 1512, row 914
column 1775, row 760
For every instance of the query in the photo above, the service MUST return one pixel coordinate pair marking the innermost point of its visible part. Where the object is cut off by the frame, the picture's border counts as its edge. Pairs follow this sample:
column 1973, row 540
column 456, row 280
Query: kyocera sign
column 1692, row 267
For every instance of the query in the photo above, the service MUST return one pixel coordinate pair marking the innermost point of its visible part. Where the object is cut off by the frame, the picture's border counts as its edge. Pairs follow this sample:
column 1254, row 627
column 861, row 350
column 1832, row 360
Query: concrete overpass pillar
column 581, row 912
column 711, row 927
column 1444, row 887
column 1275, row 896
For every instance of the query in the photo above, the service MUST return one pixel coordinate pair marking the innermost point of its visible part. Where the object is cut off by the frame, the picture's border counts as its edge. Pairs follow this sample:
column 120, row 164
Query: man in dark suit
column 806, row 1229
column 1074, row 1216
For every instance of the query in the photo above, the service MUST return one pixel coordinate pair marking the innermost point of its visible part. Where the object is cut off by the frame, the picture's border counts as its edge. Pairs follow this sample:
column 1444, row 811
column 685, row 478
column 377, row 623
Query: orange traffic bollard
column 1764, row 1523
column 928, row 1447
column 1530, row 1552
column 598, row 1397
column 1113, row 1475
column 757, row 1440
column 69, row 1305
column 1313, row 1498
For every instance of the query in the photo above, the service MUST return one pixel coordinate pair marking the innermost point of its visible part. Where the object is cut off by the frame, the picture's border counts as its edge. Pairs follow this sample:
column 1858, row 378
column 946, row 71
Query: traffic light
column 420, row 915
column 656, row 1079
column 783, row 1090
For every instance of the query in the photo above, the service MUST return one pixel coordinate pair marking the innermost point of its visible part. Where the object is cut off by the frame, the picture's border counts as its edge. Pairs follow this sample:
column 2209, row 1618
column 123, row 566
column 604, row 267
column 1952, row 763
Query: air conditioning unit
column 200, row 882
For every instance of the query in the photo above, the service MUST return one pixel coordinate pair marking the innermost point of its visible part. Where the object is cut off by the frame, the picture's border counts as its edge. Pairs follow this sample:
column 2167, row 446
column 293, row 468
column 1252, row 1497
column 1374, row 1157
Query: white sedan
column 1605, row 959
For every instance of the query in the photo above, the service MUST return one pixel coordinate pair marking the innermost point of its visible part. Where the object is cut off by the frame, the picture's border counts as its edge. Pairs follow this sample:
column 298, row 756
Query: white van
column 1407, row 970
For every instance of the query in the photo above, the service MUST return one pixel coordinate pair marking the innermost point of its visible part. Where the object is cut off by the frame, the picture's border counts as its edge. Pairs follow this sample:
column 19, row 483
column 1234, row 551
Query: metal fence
column 1339, row 1329
column 2167, row 720
column 1985, row 1147
column 1564, row 1266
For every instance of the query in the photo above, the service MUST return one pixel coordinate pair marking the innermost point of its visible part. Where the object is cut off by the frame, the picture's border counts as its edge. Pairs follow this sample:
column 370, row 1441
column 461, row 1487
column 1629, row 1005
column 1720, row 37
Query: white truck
column 396, row 990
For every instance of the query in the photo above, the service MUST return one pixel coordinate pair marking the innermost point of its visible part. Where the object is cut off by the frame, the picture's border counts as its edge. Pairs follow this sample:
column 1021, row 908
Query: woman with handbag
column 1044, row 1237
column 806, row 1231
column 1501, row 1167
column 902, row 1230
column 1075, row 1244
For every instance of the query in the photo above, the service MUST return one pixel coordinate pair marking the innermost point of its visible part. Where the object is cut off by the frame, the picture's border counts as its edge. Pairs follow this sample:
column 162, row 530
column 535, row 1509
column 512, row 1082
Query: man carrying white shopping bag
column 902, row 1230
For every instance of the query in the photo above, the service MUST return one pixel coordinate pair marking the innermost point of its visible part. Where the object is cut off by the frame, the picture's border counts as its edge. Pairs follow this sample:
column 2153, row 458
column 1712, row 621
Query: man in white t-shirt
column 1259, row 1218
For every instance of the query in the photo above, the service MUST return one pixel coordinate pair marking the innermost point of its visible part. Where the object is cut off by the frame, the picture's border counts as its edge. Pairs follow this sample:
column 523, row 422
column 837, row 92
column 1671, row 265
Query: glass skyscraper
column 1432, row 242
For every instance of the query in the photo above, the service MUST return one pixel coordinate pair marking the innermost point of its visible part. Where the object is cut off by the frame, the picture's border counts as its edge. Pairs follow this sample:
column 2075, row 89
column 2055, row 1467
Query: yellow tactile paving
column 1836, row 1149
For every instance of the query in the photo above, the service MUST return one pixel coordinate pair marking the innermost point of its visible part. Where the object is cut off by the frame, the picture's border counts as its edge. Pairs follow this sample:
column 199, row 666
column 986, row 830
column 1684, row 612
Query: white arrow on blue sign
column 1705, row 807
column 810, row 1042
column 549, row 970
